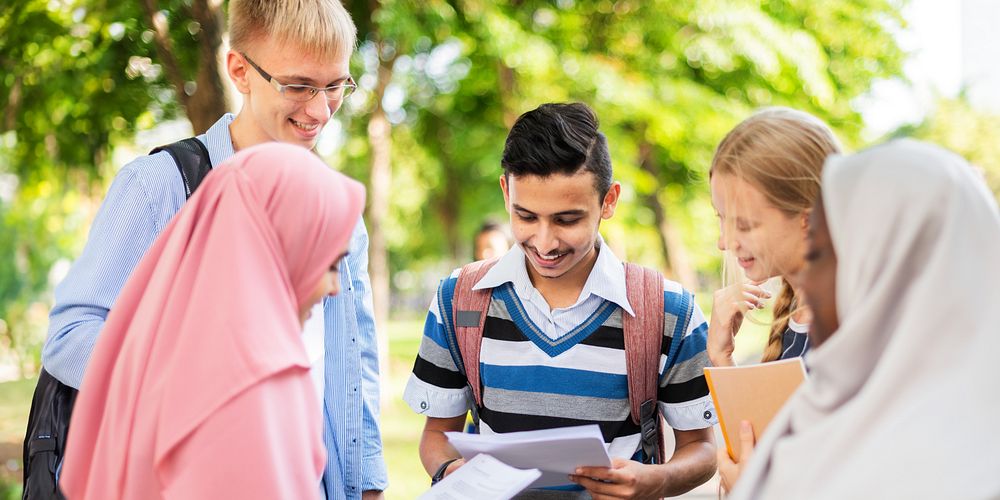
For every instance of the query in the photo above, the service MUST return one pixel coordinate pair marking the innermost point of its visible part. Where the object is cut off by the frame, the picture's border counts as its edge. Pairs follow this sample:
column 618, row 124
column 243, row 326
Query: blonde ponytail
column 783, row 308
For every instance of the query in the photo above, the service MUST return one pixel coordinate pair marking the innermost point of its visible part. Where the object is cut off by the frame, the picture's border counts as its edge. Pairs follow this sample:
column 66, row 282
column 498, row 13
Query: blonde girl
column 764, row 178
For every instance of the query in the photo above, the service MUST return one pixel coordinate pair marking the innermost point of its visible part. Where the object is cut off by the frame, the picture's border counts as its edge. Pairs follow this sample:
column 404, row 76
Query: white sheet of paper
column 482, row 478
column 555, row 452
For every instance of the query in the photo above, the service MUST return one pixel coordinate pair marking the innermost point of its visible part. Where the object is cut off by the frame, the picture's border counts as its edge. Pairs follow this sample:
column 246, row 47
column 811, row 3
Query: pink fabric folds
column 198, row 386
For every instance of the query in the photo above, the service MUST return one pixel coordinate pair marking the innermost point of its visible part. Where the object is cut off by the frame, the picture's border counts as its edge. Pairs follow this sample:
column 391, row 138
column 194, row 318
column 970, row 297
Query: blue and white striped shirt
column 543, row 368
column 144, row 196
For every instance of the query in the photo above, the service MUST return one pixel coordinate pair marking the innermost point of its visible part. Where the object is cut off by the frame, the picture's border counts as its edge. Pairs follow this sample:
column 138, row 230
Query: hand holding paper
column 555, row 452
column 482, row 478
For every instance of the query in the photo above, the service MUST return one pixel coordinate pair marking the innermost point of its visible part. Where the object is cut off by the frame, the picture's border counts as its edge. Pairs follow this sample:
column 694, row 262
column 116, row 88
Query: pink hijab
column 206, row 321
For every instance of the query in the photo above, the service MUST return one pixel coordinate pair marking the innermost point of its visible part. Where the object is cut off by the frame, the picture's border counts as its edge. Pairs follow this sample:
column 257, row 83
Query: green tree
column 965, row 129
column 667, row 78
column 441, row 82
column 78, row 78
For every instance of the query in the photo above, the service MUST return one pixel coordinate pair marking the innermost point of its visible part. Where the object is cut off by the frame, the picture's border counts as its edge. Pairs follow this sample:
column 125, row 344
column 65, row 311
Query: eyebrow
column 563, row 213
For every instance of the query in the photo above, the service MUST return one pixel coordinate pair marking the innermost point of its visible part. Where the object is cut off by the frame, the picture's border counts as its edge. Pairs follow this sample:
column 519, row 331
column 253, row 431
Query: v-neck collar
column 552, row 347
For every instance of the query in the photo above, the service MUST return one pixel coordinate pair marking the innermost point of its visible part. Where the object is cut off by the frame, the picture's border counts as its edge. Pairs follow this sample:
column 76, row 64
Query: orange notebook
column 754, row 393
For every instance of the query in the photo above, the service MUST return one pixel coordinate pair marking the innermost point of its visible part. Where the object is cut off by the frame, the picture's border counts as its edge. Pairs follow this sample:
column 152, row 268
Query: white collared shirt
column 314, row 338
column 605, row 282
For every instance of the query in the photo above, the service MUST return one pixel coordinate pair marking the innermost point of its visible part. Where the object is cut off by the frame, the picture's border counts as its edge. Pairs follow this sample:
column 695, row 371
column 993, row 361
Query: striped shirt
column 569, row 371
column 794, row 340
column 144, row 196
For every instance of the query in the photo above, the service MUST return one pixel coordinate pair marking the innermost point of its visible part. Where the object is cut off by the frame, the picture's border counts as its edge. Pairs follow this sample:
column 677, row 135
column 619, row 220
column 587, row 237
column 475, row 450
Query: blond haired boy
column 290, row 61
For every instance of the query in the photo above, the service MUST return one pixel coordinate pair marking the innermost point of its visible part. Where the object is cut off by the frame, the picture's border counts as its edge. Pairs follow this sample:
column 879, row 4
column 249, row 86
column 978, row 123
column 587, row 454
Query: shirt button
column 423, row 405
column 708, row 415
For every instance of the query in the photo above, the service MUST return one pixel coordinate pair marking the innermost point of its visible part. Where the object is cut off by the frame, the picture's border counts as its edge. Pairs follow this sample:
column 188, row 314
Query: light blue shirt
column 144, row 196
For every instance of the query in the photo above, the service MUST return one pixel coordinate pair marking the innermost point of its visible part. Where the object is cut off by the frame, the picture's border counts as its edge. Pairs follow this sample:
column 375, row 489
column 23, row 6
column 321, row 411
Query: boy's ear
column 506, row 193
column 611, row 200
column 238, row 70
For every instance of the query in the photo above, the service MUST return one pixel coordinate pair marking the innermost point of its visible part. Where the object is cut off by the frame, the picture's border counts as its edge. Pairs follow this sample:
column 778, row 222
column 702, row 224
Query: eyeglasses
column 303, row 93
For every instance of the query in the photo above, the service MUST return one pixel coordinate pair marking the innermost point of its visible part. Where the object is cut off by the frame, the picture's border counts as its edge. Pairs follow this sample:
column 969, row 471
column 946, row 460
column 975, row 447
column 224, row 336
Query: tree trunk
column 678, row 264
column 450, row 207
column 13, row 104
column 447, row 203
column 206, row 100
column 380, row 140
column 210, row 99
column 508, row 91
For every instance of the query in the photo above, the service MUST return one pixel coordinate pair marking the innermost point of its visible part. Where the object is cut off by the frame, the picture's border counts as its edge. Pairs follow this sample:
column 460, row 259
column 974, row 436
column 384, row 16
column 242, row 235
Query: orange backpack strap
column 643, row 345
column 469, row 309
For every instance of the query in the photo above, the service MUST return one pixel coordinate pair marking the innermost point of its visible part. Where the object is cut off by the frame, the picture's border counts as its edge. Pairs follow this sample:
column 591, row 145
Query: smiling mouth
column 549, row 260
column 303, row 127
column 746, row 262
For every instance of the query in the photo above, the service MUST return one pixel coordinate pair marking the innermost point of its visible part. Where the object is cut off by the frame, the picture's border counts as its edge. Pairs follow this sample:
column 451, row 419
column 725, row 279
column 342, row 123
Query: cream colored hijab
column 903, row 401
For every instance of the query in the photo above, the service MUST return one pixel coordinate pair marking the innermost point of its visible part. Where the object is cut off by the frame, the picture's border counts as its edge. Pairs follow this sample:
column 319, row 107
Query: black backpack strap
column 192, row 159
column 45, row 439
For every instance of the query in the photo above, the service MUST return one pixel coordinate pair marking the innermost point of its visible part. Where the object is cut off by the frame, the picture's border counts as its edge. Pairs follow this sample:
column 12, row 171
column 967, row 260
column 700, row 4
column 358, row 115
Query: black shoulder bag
column 52, row 402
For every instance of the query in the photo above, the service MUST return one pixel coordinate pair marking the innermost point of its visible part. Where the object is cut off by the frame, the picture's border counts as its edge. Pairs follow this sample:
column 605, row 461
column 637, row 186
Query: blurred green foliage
column 965, row 129
column 667, row 78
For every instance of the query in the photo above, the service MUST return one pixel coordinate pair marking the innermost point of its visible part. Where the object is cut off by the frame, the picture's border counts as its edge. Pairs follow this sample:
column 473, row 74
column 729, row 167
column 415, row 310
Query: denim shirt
column 144, row 196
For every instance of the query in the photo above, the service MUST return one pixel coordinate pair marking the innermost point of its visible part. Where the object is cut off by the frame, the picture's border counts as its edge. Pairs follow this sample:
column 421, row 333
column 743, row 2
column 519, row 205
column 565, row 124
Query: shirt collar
column 510, row 268
column 606, row 280
column 218, row 140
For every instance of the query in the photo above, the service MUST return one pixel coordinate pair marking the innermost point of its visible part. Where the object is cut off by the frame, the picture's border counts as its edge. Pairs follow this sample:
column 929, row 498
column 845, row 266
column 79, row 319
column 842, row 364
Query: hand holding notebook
column 754, row 393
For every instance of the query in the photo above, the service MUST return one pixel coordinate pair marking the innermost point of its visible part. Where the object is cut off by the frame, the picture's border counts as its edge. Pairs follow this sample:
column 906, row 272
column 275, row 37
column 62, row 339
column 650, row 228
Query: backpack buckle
column 649, row 423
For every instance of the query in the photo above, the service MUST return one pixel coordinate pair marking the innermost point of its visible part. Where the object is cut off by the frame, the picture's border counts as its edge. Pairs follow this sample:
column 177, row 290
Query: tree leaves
column 668, row 78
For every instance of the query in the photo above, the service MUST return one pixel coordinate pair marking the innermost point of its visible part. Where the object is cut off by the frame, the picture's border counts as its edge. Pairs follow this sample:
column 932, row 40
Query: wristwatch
column 439, row 474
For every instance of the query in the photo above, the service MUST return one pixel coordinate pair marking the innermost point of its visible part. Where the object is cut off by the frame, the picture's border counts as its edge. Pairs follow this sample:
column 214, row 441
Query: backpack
column 463, row 312
column 52, row 402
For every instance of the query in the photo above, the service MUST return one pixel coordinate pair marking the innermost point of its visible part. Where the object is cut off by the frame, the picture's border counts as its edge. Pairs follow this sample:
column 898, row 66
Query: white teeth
column 553, row 257
column 307, row 128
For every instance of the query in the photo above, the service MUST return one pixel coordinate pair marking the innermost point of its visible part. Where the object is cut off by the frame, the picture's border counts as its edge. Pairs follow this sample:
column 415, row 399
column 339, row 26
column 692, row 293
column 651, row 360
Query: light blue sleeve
column 373, row 470
column 124, row 228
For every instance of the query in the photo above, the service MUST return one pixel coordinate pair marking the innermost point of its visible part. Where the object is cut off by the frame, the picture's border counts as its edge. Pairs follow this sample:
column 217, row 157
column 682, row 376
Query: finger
column 602, row 473
column 747, row 441
column 726, row 466
column 757, row 291
column 594, row 486
column 757, row 302
column 744, row 303
column 722, row 456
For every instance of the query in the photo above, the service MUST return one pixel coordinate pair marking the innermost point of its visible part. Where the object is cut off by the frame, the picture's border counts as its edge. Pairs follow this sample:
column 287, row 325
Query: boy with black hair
column 553, row 351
